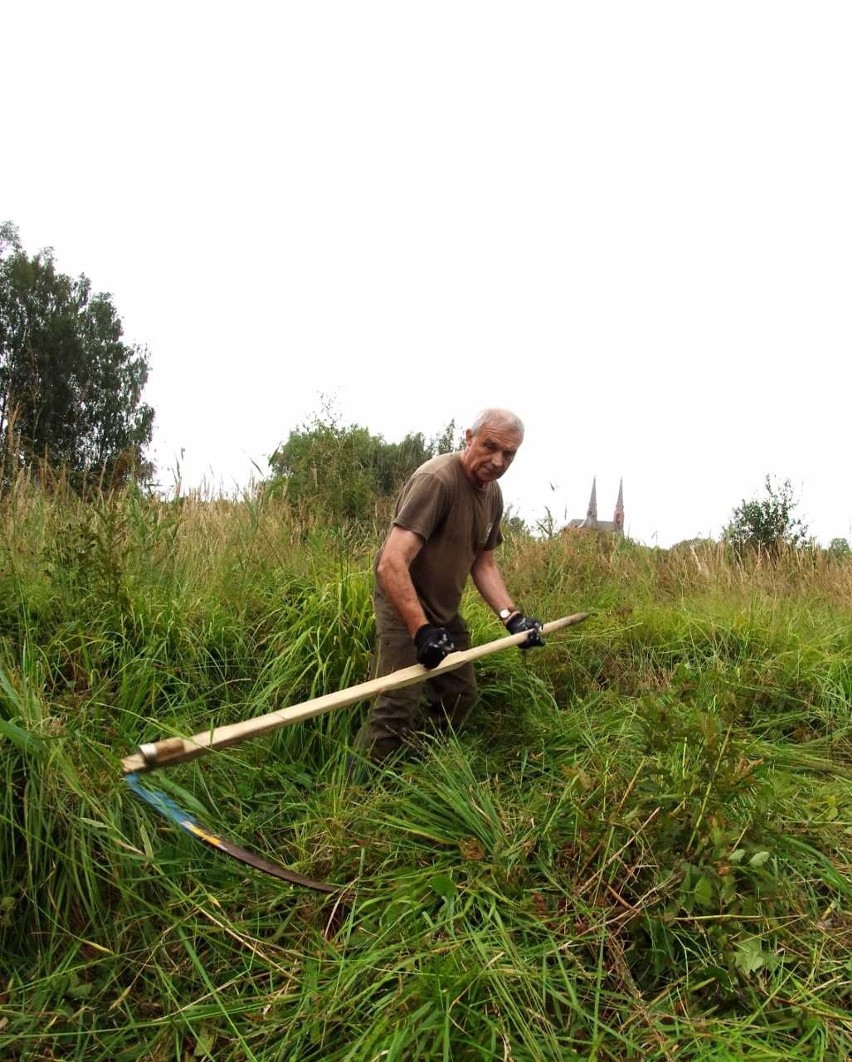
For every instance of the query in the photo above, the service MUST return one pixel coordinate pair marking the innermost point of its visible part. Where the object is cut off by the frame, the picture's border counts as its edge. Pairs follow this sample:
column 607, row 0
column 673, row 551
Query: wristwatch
column 505, row 613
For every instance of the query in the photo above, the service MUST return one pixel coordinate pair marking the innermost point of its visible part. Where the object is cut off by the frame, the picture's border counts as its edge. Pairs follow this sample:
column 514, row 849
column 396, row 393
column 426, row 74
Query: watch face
column 504, row 613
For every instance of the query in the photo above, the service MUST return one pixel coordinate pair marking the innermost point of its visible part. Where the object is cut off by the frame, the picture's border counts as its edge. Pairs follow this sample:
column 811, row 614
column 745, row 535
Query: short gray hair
column 502, row 417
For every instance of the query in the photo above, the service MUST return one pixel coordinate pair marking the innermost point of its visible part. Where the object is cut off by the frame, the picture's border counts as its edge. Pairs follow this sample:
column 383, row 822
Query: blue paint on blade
column 162, row 803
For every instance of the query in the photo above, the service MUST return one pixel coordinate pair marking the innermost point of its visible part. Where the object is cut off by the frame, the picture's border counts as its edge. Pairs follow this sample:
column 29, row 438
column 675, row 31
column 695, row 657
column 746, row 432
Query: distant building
column 590, row 521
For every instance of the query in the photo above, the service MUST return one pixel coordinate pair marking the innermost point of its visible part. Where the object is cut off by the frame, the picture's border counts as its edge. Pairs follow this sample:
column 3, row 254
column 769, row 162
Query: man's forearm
column 489, row 582
column 395, row 581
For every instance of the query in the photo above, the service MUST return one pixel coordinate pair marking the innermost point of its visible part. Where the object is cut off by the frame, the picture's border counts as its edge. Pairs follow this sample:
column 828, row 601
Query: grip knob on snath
column 155, row 754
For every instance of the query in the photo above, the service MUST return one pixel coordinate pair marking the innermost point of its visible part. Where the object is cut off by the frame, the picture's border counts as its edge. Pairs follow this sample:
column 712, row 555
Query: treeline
column 71, row 402
column 70, row 387
column 343, row 472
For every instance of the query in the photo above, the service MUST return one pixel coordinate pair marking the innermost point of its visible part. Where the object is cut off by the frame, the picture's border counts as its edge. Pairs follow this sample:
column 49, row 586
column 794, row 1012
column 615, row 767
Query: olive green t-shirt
column 456, row 521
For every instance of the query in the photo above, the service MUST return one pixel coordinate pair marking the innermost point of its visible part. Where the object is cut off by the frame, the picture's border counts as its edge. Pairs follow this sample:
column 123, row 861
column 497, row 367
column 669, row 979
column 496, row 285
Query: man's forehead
column 500, row 433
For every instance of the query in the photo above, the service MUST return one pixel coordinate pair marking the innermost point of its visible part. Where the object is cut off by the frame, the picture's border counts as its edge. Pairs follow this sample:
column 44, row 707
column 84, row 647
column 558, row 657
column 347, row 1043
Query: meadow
column 639, row 847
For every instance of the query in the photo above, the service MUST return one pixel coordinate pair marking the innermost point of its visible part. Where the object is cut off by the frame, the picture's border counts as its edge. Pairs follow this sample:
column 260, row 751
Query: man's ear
column 468, row 437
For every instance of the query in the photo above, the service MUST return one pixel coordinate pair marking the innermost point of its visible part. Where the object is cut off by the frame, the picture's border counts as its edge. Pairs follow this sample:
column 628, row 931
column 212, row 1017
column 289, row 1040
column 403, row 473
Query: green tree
column 840, row 548
column 767, row 524
column 70, row 388
column 341, row 471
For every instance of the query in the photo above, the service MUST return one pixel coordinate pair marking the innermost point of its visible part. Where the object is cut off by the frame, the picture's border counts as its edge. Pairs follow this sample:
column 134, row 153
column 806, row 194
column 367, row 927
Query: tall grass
column 639, row 848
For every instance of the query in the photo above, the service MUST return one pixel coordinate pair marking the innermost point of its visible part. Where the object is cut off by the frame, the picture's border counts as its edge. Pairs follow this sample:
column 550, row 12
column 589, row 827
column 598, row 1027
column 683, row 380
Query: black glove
column 523, row 623
column 433, row 644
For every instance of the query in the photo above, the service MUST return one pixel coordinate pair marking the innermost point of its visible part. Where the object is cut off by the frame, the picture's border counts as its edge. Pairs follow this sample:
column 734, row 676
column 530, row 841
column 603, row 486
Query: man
column 446, row 528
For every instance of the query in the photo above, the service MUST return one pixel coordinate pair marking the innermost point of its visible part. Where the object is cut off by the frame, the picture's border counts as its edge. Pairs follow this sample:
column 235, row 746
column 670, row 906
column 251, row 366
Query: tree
column 840, row 549
column 70, row 388
column 341, row 471
column 767, row 524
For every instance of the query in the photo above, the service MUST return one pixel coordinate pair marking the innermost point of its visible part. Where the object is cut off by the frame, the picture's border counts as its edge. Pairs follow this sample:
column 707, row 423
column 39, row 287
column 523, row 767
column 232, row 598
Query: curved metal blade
column 170, row 810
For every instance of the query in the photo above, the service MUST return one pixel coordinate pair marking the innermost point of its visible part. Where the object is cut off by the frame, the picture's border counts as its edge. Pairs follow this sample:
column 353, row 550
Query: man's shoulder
column 445, row 467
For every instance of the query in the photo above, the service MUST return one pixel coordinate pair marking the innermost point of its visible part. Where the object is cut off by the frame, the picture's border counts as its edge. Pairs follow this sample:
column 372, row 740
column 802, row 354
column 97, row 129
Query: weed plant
column 639, row 847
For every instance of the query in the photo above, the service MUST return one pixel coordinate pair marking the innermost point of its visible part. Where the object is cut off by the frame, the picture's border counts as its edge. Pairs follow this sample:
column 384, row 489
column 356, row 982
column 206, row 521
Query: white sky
column 629, row 222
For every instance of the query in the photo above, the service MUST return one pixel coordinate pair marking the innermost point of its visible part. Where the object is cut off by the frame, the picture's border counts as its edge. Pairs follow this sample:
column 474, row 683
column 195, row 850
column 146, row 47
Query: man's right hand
column 433, row 644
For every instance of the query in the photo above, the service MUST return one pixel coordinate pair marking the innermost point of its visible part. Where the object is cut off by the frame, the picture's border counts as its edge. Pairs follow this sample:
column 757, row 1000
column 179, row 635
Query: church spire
column 591, row 522
column 618, row 516
column 592, row 511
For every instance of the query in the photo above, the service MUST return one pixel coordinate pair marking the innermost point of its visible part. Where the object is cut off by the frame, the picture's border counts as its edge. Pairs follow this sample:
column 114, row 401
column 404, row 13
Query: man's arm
column 489, row 582
column 394, row 577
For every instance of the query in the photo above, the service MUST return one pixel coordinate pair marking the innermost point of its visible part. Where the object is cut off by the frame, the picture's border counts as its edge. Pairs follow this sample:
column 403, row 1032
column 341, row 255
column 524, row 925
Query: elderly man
column 446, row 528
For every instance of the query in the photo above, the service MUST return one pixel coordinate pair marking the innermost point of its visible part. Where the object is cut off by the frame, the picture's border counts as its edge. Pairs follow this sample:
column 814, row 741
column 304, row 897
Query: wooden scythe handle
column 177, row 750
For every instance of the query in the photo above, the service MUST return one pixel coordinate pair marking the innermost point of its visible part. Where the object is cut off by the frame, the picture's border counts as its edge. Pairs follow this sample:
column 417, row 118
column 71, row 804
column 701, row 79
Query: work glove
column 523, row 623
column 433, row 644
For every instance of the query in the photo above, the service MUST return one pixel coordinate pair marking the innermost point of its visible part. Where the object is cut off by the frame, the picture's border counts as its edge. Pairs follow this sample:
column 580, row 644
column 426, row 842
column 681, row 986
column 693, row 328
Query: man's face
column 489, row 453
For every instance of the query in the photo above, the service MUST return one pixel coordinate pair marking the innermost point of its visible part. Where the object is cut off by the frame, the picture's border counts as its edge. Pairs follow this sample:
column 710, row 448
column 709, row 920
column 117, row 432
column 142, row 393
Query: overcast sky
column 629, row 222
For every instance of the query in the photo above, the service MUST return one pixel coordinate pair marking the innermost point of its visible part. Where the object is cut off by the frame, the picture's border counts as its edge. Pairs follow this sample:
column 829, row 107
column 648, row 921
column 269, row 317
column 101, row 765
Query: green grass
column 639, row 847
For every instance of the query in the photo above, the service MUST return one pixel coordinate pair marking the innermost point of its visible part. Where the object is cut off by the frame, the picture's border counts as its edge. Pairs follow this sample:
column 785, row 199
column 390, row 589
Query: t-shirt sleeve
column 423, row 505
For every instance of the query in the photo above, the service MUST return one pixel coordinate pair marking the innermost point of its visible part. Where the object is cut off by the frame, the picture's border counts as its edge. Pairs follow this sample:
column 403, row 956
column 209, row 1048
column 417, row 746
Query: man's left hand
column 520, row 623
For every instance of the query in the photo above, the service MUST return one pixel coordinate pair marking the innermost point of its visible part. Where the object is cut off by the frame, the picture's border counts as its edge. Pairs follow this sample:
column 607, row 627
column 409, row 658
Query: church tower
column 591, row 522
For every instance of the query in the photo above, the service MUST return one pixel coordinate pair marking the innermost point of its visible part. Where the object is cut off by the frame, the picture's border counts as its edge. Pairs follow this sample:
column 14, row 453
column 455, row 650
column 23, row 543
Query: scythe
column 170, row 751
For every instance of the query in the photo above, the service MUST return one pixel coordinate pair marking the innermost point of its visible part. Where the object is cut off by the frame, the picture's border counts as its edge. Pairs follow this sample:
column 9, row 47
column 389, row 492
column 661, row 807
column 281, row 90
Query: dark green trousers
column 442, row 702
